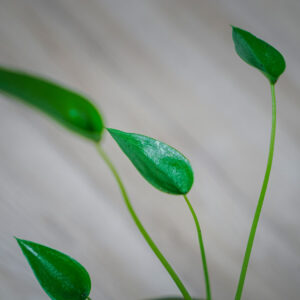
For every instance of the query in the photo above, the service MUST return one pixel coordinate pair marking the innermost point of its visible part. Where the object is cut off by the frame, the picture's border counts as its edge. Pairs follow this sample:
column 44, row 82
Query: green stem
column 141, row 228
column 202, row 250
column 260, row 200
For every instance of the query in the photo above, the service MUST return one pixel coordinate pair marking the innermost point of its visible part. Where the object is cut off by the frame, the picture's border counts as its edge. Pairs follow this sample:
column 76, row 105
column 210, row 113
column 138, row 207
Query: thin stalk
column 202, row 250
column 239, row 291
column 141, row 228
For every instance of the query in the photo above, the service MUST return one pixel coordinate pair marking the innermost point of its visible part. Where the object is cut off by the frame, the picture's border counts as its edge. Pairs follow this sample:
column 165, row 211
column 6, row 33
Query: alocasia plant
column 162, row 166
column 77, row 113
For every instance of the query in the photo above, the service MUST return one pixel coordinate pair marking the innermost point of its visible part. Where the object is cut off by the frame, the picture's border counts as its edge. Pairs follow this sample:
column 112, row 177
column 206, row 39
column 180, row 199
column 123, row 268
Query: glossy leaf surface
column 67, row 107
column 61, row 277
column 258, row 54
column 160, row 164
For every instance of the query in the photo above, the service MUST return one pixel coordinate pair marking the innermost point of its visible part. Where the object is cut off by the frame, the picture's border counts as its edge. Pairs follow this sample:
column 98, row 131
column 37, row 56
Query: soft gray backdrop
column 165, row 69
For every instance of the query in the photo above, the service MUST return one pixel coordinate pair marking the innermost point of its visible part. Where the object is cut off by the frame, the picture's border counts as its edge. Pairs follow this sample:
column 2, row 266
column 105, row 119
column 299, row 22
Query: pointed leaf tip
column 60, row 276
column 258, row 54
column 70, row 109
column 160, row 164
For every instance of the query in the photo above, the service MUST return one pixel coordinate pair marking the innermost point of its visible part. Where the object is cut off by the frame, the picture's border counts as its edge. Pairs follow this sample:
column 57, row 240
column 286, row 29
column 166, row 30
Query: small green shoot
column 166, row 169
column 267, row 59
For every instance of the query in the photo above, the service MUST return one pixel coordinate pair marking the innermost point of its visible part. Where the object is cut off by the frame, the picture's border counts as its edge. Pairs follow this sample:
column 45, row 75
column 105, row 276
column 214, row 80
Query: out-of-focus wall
column 165, row 69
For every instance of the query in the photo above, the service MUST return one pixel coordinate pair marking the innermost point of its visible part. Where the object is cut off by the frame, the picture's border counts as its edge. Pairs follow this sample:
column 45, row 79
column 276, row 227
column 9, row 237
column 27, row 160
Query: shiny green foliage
column 61, row 277
column 161, row 165
column 67, row 107
column 258, row 54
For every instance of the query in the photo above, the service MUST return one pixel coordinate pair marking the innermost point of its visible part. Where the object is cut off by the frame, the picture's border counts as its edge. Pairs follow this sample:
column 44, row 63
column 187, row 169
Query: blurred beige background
column 165, row 69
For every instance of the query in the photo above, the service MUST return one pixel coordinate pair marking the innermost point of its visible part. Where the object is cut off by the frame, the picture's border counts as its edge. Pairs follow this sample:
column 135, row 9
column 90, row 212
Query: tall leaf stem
column 202, row 250
column 141, row 228
column 239, row 291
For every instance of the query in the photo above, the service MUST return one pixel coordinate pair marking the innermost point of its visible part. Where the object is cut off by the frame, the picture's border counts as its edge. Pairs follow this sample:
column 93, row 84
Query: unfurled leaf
column 258, row 54
column 160, row 164
column 61, row 277
column 67, row 107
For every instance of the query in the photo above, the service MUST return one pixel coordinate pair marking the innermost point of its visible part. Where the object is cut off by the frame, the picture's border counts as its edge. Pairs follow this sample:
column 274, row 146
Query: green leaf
column 258, row 54
column 67, row 107
column 61, row 277
column 161, row 165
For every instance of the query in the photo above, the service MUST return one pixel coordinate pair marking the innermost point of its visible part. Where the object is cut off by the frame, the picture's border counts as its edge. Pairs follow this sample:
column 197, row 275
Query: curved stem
column 141, row 228
column 260, row 200
column 202, row 250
